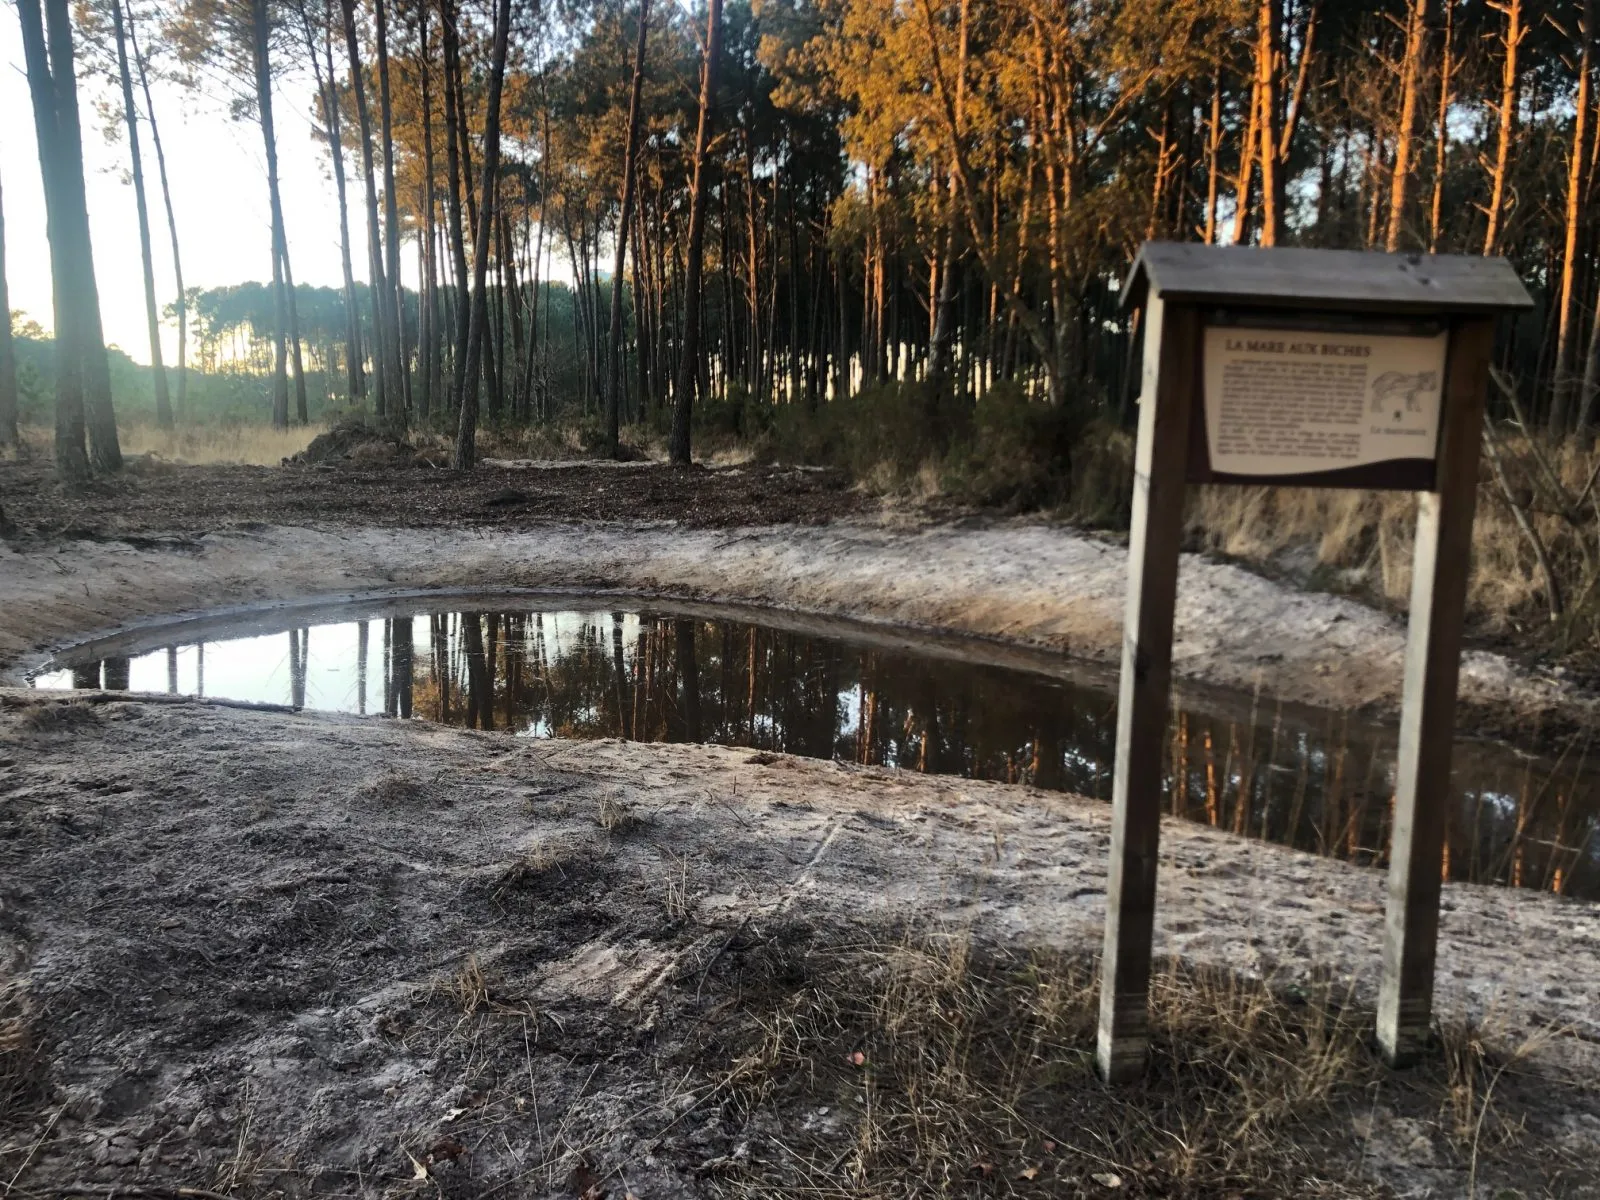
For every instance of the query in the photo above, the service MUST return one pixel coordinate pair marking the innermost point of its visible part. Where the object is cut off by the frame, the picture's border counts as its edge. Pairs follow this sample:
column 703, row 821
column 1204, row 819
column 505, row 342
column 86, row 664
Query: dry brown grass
column 539, row 865
column 199, row 445
column 930, row 1068
column 1362, row 541
column 24, row 1087
column 62, row 717
column 244, row 445
column 614, row 815
column 395, row 789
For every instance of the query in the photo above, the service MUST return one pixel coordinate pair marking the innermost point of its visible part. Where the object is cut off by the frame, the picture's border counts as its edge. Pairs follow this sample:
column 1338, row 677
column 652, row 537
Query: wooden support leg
column 1427, row 717
column 1170, row 371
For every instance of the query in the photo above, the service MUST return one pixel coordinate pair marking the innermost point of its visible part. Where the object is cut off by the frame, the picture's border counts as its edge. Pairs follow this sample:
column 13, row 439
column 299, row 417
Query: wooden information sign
column 1304, row 368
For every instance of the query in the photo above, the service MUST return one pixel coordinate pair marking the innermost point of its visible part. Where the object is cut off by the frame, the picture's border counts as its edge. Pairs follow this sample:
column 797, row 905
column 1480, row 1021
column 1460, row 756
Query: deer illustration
column 1392, row 385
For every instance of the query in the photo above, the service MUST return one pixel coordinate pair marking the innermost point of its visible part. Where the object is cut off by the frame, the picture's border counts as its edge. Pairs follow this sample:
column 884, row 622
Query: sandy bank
column 1024, row 582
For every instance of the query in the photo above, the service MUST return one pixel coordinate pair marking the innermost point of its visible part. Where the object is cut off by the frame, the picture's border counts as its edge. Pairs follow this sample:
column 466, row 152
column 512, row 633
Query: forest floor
column 267, row 954
column 272, row 953
column 158, row 497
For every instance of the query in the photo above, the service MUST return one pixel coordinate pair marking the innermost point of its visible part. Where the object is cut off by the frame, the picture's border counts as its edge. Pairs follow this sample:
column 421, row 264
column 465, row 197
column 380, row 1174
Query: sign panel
column 1294, row 402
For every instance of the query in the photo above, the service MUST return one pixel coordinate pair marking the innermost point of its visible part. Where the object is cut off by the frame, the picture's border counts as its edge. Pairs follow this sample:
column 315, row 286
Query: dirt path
column 1020, row 582
column 269, row 948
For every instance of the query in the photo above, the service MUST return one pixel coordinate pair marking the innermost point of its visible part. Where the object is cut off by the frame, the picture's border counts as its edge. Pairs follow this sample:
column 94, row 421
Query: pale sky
column 217, row 167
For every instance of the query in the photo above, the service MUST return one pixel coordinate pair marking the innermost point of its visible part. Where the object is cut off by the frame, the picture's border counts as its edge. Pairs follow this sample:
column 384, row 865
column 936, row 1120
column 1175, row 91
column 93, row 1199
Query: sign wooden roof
column 1348, row 280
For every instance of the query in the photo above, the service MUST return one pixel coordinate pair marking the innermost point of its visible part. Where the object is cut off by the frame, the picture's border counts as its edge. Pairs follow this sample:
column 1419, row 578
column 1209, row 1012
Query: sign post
column 1304, row 368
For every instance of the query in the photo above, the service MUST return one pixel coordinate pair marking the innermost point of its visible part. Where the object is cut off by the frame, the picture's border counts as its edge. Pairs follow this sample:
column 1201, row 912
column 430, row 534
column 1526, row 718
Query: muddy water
column 1318, row 780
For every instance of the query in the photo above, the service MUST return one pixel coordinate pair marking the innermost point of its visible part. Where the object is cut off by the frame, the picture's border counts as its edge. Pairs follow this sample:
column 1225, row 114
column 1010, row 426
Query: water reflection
column 1319, row 781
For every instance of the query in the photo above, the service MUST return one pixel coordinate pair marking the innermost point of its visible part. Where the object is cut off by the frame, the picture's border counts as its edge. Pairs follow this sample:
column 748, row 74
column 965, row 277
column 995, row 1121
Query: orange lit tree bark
column 478, row 332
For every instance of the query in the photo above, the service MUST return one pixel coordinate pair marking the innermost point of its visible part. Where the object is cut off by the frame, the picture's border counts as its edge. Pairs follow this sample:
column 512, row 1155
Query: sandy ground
column 250, row 933
column 348, row 956
column 1021, row 583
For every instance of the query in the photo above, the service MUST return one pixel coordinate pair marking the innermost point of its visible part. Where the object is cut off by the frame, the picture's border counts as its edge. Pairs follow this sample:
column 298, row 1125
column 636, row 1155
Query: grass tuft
column 394, row 789
column 616, row 816
column 61, row 717
column 533, row 869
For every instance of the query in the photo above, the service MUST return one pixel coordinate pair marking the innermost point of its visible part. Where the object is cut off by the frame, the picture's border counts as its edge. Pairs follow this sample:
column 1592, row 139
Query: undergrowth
column 934, row 1069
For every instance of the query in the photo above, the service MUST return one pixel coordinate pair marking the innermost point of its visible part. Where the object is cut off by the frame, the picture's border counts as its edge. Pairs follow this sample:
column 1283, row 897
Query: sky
column 217, row 168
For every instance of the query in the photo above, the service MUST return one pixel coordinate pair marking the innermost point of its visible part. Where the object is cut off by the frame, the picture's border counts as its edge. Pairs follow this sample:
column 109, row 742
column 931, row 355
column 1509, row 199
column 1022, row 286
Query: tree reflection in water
column 1317, row 780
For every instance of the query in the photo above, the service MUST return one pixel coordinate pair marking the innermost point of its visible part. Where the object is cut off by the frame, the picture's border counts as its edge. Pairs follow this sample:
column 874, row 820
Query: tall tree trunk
column 1510, row 81
column 1297, row 96
column 296, row 354
column 454, row 135
column 1248, row 157
column 83, row 373
column 510, row 365
column 689, row 350
column 629, row 168
column 1411, row 78
column 328, row 92
column 280, row 347
column 394, row 292
column 260, row 31
column 181, row 305
column 942, row 330
column 428, row 366
column 385, row 360
column 1441, row 126
column 8, row 392
column 8, row 354
column 1213, row 155
column 152, row 318
column 1272, row 168
column 467, row 429
column 1560, row 401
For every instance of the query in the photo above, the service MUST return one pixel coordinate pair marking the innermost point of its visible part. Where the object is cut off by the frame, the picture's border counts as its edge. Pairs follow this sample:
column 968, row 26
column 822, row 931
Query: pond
column 589, row 667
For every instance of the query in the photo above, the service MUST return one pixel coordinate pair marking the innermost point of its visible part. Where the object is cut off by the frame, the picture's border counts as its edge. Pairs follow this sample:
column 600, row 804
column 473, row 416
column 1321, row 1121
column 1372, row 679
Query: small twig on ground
column 34, row 1149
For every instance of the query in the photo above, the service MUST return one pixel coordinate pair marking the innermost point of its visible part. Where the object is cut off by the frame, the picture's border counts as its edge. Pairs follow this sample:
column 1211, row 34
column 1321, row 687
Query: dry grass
column 61, row 717
column 614, row 815
column 539, row 865
column 24, row 1087
column 931, row 1069
column 196, row 445
column 470, row 987
column 244, row 445
column 1362, row 541
column 394, row 789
